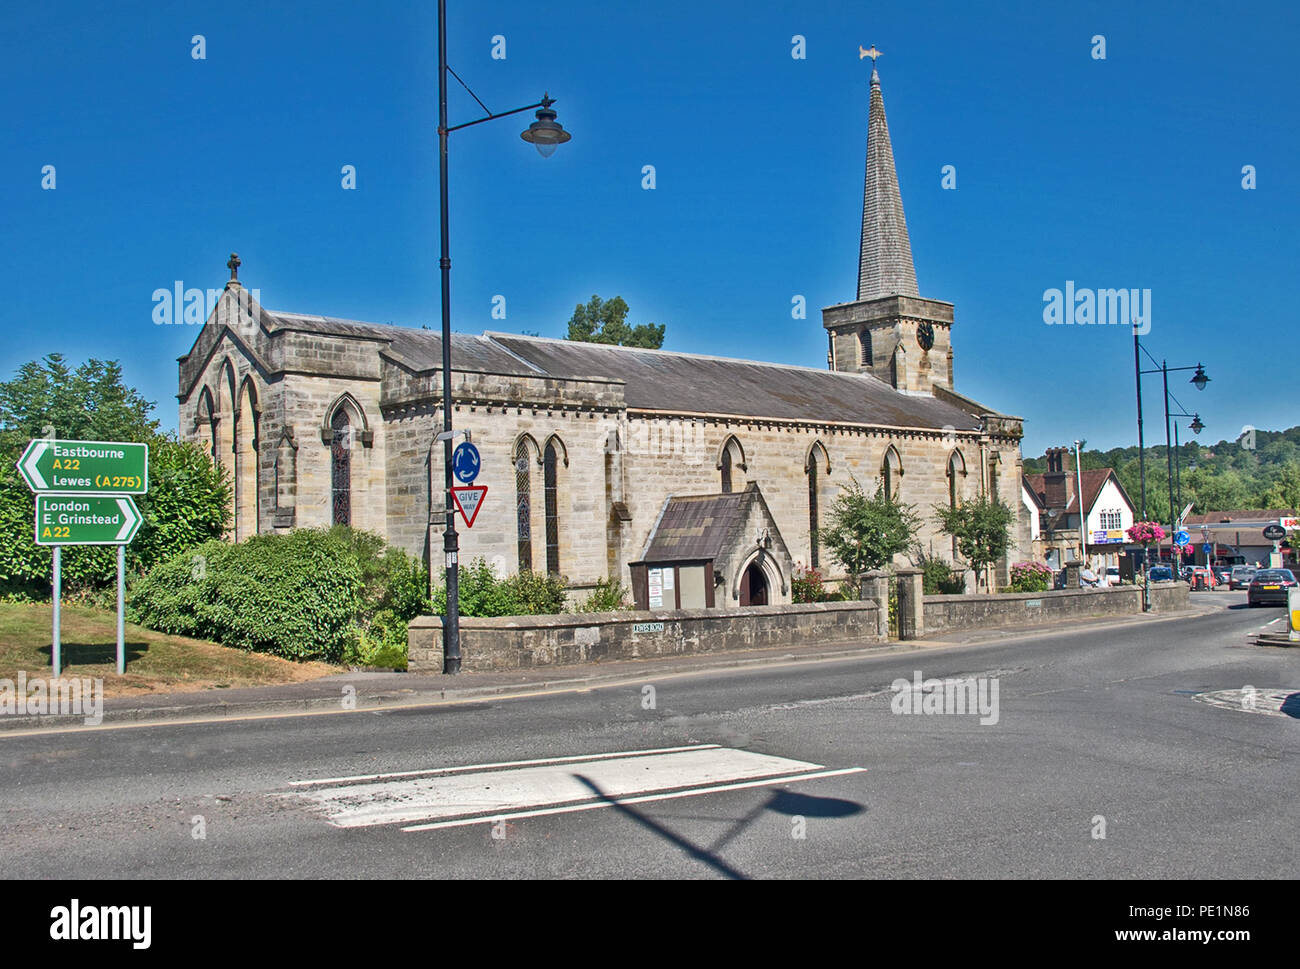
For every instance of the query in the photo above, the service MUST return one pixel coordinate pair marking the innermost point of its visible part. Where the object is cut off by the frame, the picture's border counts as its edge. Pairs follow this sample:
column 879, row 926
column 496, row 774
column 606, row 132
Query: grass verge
column 155, row 662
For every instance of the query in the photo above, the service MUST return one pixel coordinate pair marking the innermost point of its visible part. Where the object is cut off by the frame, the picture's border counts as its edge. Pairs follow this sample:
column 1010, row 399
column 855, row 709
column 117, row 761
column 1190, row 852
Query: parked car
column 1202, row 578
column 1160, row 573
column 1185, row 573
column 1241, row 576
column 1269, row 587
column 1222, row 574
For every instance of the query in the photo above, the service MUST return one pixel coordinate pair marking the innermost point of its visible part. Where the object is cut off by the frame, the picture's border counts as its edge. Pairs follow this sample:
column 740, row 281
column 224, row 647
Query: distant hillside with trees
column 1243, row 473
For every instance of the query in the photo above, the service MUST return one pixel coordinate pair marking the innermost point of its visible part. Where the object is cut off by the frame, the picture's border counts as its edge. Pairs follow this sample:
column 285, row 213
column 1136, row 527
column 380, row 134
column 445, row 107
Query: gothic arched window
column 550, row 489
column 523, row 507
column 891, row 471
column 341, row 468
column 956, row 469
column 813, row 530
column 730, row 460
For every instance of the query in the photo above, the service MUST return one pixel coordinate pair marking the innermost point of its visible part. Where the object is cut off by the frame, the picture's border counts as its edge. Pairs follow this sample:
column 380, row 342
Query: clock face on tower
column 925, row 335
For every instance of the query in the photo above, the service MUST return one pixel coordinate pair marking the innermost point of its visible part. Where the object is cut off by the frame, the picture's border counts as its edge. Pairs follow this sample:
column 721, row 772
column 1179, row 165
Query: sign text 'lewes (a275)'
column 86, row 467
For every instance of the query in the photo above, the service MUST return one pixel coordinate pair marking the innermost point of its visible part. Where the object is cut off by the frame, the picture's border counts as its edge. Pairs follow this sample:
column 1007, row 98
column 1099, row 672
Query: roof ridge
column 493, row 335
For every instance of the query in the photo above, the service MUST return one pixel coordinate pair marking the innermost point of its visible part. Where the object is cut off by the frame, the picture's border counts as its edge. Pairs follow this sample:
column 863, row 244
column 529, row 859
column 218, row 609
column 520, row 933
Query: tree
column 604, row 321
column 49, row 399
column 982, row 529
column 188, row 499
column 865, row 533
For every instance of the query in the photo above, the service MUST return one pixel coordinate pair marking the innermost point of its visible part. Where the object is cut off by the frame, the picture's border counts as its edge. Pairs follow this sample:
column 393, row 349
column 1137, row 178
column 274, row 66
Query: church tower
column 889, row 331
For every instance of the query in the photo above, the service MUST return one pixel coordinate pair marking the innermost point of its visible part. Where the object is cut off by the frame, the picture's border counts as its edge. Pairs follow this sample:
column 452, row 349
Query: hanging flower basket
column 1145, row 533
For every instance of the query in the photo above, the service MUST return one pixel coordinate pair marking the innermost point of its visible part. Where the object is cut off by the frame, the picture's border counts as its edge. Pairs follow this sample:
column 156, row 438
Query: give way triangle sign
column 468, row 499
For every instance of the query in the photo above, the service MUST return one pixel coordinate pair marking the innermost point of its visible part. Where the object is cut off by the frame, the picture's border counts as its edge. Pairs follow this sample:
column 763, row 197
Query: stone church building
column 588, row 451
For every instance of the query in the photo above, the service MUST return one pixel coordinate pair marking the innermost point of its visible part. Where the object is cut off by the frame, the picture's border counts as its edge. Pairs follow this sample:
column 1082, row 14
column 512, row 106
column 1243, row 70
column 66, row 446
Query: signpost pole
column 121, row 604
column 58, row 594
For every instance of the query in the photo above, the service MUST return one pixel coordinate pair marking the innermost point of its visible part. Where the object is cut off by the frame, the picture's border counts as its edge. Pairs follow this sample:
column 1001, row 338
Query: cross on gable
column 233, row 266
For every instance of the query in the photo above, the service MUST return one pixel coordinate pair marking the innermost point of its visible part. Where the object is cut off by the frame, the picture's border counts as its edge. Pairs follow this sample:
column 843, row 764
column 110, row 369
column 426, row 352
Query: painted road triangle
column 468, row 499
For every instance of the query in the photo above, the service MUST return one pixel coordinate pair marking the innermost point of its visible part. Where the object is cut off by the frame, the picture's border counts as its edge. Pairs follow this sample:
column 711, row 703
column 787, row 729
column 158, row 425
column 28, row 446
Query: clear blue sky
column 1123, row 172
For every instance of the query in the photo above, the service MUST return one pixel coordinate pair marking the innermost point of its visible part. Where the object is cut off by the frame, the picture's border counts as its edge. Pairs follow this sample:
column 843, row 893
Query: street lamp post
column 1176, row 482
column 1078, row 487
column 1199, row 380
column 546, row 134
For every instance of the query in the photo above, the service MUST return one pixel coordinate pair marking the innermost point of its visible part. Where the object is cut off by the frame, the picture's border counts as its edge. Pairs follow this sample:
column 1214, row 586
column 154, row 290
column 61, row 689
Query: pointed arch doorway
column 753, row 586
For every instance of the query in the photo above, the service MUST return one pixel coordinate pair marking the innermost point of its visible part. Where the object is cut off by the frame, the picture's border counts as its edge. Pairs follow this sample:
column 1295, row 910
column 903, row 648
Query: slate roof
column 1093, row 482
column 885, row 259
column 1241, row 515
column 659, row 379
column 696, row 527
column 694, row 383
column 418, row 349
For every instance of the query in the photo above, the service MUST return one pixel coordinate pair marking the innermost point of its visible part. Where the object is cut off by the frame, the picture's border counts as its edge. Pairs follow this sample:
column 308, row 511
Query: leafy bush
column 538, row 594
column 866, row 532
column 982, row 528
column 807, row 585
column 382, row 643
column 940, row 578
column 298, row 595
column 608, row 596
column 391, row 580
column 1030, row 577
column 485, row 595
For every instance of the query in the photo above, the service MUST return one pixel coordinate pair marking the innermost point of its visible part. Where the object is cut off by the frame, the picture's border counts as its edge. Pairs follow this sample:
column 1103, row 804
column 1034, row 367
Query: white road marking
column 589, row 806
column 494, row 792
column 506, row 763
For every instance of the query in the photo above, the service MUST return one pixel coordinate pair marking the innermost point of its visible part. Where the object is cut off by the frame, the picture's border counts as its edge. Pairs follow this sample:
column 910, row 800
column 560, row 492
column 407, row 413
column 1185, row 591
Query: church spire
column 885, row 260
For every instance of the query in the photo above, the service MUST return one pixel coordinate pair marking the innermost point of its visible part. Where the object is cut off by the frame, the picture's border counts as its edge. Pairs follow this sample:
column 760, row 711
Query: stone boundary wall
column 524, row 642
column 944, row 613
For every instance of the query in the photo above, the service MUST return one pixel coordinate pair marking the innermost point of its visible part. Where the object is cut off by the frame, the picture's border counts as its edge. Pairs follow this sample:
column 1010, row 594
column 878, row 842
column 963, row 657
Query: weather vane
column 873, row 54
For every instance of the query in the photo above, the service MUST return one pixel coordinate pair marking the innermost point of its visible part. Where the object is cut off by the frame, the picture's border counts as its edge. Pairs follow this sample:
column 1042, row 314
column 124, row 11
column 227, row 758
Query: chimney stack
column 1056, row 492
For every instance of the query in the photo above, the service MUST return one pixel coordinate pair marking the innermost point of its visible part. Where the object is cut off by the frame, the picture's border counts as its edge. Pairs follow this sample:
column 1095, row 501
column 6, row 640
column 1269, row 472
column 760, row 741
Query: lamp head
column 546, row 134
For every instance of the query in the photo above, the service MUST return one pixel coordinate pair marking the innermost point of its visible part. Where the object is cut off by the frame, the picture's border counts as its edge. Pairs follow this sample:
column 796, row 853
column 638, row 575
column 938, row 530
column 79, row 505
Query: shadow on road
column 781, row 802
column 1291, row 706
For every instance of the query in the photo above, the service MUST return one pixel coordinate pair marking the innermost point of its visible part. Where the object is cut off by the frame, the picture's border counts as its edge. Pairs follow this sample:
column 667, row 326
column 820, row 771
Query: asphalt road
column 1098, row 731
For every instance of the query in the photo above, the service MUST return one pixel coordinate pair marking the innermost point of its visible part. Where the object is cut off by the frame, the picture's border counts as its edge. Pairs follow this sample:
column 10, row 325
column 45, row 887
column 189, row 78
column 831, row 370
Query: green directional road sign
column 86, row 467
column 86, row 520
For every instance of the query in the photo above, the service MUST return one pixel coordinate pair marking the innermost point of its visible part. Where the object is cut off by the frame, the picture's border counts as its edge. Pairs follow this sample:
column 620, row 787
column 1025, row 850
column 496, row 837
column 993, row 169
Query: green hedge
column 940, row 578
column 338, row 595
column 485, row 595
